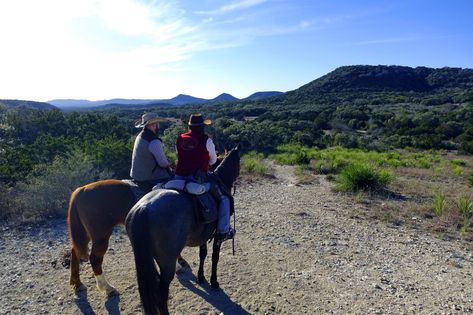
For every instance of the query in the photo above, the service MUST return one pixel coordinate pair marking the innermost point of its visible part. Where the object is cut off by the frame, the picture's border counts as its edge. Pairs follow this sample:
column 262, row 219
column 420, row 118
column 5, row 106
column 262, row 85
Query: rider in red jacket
column 196, row 151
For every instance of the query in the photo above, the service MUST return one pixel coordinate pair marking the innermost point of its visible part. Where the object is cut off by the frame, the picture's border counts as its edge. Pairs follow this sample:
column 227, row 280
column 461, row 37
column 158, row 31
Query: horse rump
column 77, row 231
column 146, row 273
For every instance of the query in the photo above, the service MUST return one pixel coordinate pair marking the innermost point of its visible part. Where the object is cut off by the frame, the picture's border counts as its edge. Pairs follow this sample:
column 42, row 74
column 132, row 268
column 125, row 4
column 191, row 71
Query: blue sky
column 151, row 49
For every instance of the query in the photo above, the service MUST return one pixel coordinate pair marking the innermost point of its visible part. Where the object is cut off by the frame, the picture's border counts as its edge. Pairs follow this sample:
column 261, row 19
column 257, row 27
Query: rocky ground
column 299, row 250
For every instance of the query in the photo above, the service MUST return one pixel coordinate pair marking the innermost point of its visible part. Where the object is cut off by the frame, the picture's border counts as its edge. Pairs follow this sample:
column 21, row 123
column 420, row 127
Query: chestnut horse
column 94, row 210
column 160, row 225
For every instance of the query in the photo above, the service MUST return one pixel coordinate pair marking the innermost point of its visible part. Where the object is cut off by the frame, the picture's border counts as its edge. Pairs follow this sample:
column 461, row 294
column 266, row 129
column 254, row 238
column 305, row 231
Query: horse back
column 103, row 204
column 171, row 215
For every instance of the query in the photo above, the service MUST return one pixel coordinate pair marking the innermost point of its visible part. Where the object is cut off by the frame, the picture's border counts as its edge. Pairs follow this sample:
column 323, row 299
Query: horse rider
column 149, row 164
column 195, row 153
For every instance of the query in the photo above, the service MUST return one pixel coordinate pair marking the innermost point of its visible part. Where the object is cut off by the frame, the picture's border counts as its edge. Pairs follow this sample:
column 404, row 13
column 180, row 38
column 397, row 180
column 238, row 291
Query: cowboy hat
column 148, row 118
column 198, row 120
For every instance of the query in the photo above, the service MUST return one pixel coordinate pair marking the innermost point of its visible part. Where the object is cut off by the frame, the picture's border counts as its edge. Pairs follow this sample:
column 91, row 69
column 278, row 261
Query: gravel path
column 298, row 251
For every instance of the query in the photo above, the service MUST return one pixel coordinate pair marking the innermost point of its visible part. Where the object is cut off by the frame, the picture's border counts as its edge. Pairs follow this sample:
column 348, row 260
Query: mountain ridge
column 180, row 99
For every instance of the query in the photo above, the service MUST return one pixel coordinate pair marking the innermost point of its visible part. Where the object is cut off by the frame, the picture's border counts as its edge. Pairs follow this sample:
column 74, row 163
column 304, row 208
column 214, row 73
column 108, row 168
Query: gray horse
column 160, row 225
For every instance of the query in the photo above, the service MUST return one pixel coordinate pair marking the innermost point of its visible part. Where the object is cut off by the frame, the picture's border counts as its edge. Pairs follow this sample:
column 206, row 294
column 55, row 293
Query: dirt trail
column 299, row 250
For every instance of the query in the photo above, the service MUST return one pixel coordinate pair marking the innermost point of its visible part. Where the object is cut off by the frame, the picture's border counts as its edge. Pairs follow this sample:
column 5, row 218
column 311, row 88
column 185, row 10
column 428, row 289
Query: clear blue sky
column 102, row 49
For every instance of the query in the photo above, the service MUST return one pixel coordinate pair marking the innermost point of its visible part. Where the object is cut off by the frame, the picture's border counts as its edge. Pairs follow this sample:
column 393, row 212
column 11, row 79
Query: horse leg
column 202, row 256
column 99, row 248
column 75, row 267
column 167, row 272
column 215, row 257
column 182, row 264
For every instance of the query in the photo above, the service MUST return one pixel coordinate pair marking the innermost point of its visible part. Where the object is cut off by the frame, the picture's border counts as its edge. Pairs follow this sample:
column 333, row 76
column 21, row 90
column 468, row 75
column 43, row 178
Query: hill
column 32, row 104
column 371, row 107
column 261, row 95
column 181, row 99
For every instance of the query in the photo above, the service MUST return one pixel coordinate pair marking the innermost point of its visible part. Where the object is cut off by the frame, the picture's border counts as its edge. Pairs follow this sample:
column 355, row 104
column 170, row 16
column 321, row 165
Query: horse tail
column 147, row 275
column 77, row 231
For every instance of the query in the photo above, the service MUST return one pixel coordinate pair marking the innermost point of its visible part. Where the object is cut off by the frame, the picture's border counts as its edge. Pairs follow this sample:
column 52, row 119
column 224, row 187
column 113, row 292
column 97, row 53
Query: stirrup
column 226, row 236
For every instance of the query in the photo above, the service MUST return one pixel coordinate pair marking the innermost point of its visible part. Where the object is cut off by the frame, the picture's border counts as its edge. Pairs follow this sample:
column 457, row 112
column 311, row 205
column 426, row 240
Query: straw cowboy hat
column 198, row 120
column 148, row 118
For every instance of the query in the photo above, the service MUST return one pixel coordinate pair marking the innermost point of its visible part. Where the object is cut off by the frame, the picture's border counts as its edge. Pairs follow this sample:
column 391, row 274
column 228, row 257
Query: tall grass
column 363, row 176
column 335, row 159
column 252, row 163
column 465, row 206
column 439, row 203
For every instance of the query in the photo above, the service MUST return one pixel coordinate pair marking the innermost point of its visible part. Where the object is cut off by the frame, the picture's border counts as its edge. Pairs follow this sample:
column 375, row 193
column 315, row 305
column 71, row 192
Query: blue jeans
column 223, row 221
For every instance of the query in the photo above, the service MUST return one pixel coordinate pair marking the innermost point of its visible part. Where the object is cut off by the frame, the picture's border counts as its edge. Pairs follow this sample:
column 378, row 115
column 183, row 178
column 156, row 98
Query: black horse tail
column 146, row 272
column 77, row 231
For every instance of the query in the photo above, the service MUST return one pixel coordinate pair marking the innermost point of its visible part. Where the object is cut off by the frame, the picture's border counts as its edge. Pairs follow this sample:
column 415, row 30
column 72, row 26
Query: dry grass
column 412, row 202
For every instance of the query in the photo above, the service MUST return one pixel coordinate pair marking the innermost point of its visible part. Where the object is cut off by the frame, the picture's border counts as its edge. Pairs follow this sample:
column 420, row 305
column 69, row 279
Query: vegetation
column 363, row 176
column 357, row 124
column 439, row 203
column 252, row 163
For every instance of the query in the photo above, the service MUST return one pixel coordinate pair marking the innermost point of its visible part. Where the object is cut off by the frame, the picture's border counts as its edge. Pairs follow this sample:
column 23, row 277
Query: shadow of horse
column 215, row 297
column 112, row 304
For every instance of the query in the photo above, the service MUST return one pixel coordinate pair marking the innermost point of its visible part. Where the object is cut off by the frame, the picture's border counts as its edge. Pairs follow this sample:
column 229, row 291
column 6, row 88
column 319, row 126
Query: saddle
column 205, row 203
column 204, row 194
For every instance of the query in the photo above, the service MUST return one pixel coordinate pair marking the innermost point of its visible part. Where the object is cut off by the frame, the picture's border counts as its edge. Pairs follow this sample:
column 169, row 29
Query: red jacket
column 192, row 153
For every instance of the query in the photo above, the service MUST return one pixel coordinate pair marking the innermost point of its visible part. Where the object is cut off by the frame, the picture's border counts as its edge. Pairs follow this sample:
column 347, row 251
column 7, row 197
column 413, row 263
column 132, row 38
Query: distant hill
column 390, row 79
column 64, row 103
column 181, row 99
column 224, row 97
column 32, row 104
column 260, row 95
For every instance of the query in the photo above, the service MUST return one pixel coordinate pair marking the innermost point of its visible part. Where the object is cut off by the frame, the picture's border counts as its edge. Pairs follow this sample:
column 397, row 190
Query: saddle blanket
column 189, row 187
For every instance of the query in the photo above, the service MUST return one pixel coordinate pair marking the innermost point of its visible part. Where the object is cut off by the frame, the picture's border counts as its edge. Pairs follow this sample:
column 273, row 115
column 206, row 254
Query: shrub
column 439, row 203
column 470, row 179
column 465, row 205
column 48, row 194
column 458, row 162
column 253, row 163
column 363, row 176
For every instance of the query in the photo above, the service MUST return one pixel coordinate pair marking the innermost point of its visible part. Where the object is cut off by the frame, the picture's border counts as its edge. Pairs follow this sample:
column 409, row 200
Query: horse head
column 229, row 169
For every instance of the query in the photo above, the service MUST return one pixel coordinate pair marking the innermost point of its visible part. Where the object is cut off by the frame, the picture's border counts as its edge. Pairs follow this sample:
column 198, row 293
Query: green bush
column 470, row 179
column 48, row 194
column 253, row 163
column 363, row 176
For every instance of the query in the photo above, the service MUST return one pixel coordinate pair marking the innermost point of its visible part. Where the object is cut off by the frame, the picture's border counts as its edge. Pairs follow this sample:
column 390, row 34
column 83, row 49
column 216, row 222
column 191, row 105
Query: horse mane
column 229, row 168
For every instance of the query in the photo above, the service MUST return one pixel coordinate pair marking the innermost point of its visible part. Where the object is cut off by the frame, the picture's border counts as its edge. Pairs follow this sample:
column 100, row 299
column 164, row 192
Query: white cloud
column 235, row 6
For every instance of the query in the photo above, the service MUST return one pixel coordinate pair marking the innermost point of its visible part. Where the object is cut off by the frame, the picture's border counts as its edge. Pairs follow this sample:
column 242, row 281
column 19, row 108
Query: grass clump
column 440, row 203
column 253, row 163
column 363, row 176
column 465, row 206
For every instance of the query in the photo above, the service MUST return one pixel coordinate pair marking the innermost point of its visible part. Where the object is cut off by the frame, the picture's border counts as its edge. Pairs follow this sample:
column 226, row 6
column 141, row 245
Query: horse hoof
column 79, row 288
column 183, row 263
column 201, row 279
column 215, row 285
column 112, row 292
